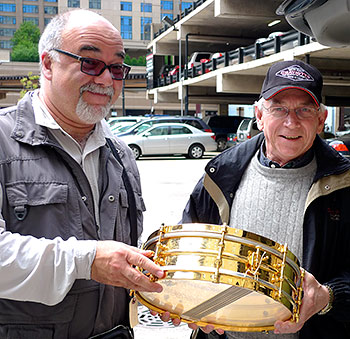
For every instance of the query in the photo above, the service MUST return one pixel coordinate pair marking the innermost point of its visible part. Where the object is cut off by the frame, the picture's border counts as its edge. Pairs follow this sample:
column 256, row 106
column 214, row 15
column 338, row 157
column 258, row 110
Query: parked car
column 231, row 140
column 341, row 143
column 222, row 126
column 171, row 138
column 143, row 125
column 164, row 70
column 115, row 122
column 247, row 129
column 196, row 57
column 340, row 146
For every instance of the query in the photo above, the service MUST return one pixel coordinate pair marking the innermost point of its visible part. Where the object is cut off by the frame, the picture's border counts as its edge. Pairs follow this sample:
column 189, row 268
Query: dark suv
column 141, row 126
column 222, row 126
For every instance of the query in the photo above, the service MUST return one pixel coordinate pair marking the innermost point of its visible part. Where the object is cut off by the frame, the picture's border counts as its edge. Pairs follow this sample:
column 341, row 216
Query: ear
column 46, row 62
column 259, row 120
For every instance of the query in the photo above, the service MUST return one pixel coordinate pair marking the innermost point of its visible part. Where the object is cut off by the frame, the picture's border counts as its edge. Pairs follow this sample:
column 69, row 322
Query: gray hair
column 52, row 36
column 259, row 105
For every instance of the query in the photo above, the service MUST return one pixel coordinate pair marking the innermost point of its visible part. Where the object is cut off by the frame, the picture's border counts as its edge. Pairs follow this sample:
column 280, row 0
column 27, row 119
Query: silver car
column 171, row 138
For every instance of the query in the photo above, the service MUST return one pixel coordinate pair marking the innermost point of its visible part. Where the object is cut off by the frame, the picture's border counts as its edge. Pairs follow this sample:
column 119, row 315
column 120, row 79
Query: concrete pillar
column 223, row 109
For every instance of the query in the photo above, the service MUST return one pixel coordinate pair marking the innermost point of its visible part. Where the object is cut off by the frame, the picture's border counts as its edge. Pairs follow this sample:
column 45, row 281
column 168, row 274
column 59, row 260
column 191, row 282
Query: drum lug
column 158, row 257
column 218, row 260
column 299, row 296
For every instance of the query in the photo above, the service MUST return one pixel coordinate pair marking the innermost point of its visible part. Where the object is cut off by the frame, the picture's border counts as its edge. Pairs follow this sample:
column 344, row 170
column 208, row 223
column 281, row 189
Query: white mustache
column 97, row 89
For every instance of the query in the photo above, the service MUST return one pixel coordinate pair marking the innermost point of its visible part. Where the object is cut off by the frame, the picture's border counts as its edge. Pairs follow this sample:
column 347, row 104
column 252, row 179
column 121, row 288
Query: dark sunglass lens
column 92, row 66
column 117, row 71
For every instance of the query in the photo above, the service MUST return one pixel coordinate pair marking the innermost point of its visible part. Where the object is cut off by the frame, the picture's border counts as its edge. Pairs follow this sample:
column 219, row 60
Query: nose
column 105, row 78
column 292, row 120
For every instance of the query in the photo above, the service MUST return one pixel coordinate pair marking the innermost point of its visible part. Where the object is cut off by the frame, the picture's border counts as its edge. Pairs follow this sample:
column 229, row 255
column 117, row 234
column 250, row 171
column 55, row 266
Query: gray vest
column 46, row 194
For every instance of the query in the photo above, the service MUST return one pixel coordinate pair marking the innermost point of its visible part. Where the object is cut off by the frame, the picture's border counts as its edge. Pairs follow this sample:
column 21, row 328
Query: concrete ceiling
column 224, row 25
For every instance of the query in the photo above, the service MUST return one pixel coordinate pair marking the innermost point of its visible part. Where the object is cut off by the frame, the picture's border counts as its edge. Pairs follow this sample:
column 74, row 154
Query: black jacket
column 326, row 228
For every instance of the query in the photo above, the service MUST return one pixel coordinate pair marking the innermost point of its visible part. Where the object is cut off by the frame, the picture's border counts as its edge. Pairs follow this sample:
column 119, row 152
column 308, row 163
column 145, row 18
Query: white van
column 247, row 129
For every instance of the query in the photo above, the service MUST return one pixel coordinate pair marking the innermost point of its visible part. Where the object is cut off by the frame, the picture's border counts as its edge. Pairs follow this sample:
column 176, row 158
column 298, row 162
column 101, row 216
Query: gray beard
column 92, row 114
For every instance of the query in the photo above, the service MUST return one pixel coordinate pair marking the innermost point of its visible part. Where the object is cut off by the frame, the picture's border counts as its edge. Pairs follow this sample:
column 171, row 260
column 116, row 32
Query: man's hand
column 114, row 265
column 316, row 297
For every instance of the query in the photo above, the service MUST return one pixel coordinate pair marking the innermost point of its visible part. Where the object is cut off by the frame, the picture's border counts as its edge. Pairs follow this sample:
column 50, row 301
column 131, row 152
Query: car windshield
column 143, row 127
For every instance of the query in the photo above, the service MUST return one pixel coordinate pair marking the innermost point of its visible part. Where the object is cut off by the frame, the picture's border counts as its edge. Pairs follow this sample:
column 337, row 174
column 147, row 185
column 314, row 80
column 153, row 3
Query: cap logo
column 294, row 73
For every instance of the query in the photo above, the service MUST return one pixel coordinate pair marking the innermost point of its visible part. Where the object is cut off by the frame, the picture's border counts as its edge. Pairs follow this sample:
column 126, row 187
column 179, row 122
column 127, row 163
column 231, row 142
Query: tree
column 25, row 43
column 29, row 83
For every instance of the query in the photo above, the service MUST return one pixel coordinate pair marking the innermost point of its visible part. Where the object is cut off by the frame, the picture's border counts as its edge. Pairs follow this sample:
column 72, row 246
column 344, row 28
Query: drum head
column 229, row 307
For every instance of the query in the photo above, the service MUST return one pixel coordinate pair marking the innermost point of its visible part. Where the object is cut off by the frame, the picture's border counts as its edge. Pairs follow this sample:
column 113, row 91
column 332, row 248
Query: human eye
column 117, row 71
column 305, row 112
column 92, row 66
column 278, row 110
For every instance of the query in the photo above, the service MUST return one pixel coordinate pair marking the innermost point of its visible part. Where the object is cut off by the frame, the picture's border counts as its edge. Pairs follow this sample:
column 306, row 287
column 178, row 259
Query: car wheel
column 136, row 150
column 196, row 151
column 221, row 144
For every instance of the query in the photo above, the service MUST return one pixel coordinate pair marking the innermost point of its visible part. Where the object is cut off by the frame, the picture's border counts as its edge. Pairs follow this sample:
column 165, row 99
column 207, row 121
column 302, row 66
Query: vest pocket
column 34, row 205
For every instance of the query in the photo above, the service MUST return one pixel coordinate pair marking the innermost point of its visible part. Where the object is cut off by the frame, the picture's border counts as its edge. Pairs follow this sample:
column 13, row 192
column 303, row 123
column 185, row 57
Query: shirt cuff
column 85, row 251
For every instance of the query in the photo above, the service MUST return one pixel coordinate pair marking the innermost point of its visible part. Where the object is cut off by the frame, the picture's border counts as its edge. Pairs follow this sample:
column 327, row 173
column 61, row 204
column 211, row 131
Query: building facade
column 133, row 18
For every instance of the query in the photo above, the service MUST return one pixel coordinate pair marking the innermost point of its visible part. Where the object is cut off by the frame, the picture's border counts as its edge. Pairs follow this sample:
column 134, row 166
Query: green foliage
column 25, row 51
column 141, row 61
column 29, row 83
column 25, row 43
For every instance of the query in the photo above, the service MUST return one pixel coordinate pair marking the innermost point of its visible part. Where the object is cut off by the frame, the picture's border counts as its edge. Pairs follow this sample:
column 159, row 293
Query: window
column 7, row 8
column 185, row 5
column 51, row 10
column 125, row 6
column 74, row 3
column 32, row 0
column 46, row 21
column 146, row 8
column 126, row 27
column 146, row 28
column 180, row 130
column 166, row 5
column 170, row 16
column 5, row 44
column 7, row 31
column 7, row 20
column 30, row 9
column 95, row 4
column 35, row 21
column 51, row 0
column 159, row 131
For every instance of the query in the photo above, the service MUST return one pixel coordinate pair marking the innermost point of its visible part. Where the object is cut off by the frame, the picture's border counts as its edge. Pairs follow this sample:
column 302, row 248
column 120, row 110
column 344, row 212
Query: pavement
column 166, row 185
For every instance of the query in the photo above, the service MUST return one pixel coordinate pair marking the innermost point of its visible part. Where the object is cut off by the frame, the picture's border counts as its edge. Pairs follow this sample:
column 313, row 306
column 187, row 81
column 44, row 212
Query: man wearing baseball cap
column 288, row 185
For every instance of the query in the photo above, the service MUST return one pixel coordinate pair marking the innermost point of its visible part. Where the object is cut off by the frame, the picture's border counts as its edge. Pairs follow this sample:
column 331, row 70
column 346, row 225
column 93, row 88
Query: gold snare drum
column 233, row 279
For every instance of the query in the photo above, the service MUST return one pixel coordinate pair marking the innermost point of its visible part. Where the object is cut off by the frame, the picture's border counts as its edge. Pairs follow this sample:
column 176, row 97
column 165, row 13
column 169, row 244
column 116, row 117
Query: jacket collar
column 26, row 130
column 227, row 169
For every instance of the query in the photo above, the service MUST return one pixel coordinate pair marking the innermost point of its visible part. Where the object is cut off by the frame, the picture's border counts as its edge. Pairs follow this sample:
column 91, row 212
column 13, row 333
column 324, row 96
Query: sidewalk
column 151, row 327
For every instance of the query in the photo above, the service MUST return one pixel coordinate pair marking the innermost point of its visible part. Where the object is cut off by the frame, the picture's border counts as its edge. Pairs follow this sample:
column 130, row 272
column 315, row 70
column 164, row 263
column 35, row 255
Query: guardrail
column 240, row 55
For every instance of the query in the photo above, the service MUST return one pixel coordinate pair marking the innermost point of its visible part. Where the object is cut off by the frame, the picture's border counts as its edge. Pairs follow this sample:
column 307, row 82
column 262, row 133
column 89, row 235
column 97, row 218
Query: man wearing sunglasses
column 70, row 195
column 288, row 185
